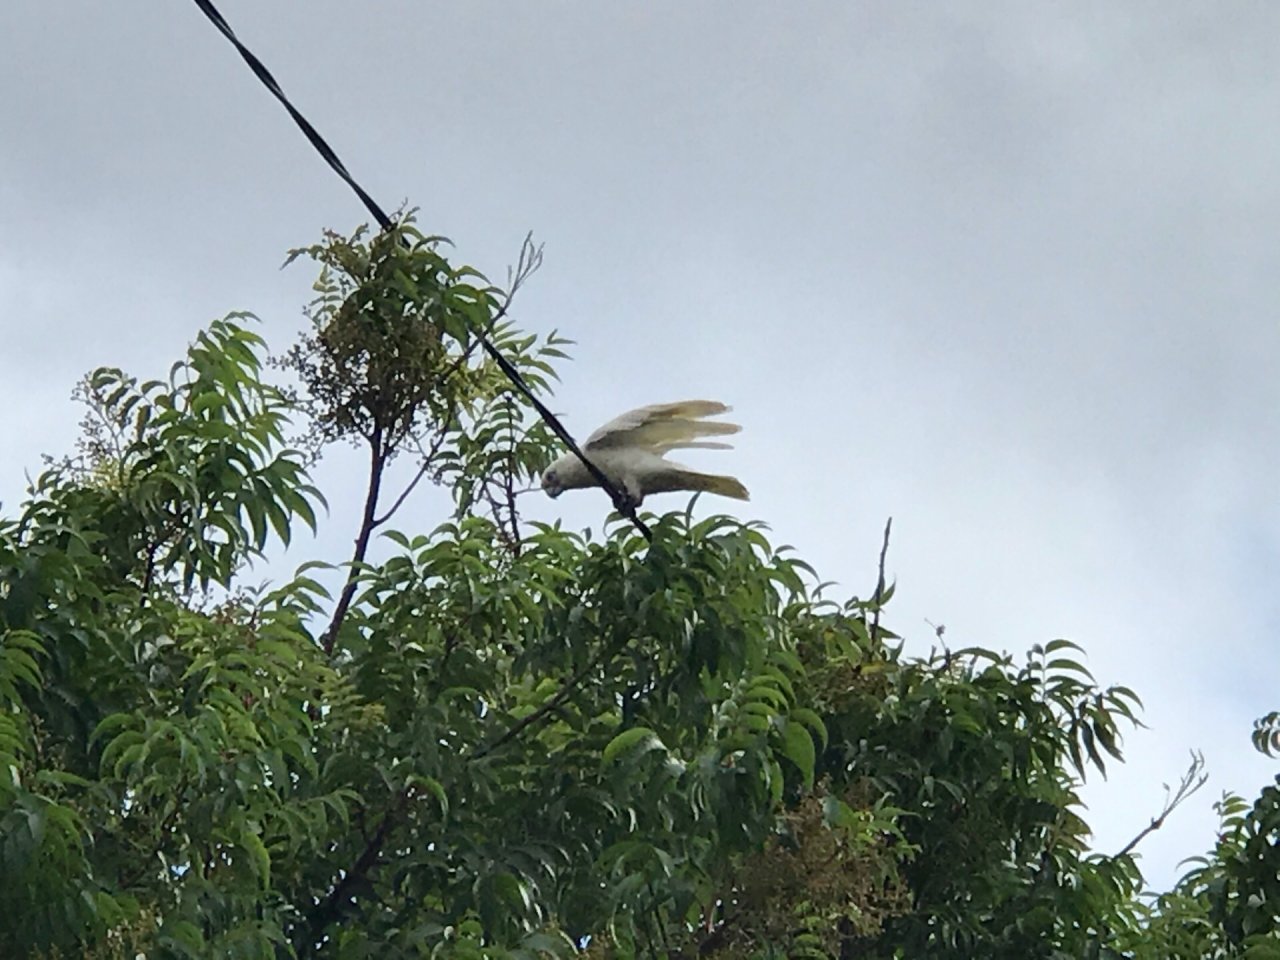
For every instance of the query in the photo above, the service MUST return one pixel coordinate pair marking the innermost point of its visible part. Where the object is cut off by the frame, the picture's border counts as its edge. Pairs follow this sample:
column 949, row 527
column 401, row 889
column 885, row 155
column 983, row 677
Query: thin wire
column 620, row 502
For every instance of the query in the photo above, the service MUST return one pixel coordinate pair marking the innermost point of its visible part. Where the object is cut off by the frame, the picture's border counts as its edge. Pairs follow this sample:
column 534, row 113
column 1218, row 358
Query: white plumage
column 630, row 450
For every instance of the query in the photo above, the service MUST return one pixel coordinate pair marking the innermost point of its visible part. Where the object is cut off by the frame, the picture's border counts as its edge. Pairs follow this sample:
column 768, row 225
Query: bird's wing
column 664, row 426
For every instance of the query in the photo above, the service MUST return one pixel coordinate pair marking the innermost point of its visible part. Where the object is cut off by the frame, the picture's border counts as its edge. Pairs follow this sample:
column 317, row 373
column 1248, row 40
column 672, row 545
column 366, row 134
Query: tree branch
column 377, row 461
column 428, row 456
column 529, row 261
column 563, row 694
column 329, row 908
column 1192, row 780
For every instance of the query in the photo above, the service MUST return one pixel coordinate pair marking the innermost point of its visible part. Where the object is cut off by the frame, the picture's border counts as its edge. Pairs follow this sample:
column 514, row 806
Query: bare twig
column 527, row 264
column 879, row 594
column 1192, row 780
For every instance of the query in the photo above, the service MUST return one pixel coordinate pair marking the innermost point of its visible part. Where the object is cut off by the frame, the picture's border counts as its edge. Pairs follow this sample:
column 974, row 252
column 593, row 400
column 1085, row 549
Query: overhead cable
column 621, row 501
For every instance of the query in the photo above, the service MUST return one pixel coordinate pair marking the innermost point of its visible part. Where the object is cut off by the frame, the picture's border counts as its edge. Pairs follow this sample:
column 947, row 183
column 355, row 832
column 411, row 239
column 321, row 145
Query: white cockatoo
column 630, row 449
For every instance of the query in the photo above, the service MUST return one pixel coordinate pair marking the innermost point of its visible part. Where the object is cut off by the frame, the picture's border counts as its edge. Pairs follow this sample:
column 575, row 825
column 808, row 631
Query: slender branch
column 563, row 694
column 1192, row 780
column 377, row 462
column 148, row 574
column 504, row 511
column 328, row 909
column 170, row 529
column 166, row 825
column 450, row 645
column 527, row 263
column 879, row 594
column 428, row 456
column 512, row 514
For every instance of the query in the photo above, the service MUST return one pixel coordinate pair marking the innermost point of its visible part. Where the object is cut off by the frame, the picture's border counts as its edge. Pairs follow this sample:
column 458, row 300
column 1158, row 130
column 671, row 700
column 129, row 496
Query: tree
column 510, row 740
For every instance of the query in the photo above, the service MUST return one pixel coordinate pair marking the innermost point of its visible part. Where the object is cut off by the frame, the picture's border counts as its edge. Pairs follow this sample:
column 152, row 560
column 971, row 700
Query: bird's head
column 552, row 483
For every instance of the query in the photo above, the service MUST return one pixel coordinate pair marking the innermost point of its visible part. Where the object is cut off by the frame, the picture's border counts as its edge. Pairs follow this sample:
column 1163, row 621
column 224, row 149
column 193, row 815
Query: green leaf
column 186, row 934
column 1059, row 644
column 1065, row 665
column 431, row 786
column 637, row 740
column 811, row 720
column 797, row 746
column 259, row 858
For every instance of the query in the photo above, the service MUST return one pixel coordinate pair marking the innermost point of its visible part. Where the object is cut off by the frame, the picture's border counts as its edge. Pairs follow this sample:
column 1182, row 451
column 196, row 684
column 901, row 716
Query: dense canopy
column 509, row 739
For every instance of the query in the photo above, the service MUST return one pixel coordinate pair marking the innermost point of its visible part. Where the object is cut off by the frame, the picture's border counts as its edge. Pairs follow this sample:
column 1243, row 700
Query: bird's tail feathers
column 714, row 483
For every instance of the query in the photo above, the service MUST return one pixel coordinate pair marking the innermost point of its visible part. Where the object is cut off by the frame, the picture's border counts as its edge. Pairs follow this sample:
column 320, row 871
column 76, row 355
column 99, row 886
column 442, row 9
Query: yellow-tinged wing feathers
column 665, row 426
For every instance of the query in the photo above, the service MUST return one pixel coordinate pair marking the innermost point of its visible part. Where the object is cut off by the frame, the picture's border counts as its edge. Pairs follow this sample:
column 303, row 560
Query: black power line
column 621, row 501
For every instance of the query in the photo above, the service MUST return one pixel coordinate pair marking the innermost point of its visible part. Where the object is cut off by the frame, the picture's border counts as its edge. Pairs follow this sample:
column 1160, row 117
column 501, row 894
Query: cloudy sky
column 1005, row 271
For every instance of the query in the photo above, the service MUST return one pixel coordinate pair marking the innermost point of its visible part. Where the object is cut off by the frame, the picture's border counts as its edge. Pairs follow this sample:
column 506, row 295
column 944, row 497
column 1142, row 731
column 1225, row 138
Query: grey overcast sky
column 1006, row 271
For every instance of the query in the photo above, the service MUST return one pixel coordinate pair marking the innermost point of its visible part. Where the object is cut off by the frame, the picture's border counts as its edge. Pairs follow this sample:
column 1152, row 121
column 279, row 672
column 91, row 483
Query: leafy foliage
column 512, row 740
column 1225, row 906
column 391, row 363
column 1266, row 734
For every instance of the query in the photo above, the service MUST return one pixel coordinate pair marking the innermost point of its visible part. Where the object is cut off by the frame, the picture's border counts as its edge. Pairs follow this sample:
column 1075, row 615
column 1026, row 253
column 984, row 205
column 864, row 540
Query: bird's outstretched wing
column 664, row 426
